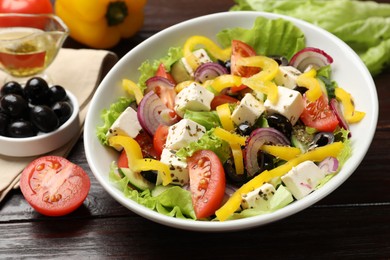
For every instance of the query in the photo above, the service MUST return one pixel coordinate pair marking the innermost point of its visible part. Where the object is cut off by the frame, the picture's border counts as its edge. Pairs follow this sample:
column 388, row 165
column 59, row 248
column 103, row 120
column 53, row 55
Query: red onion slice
column 335, row 106
column 158, row 81
column 209, row 70
column 257, row 138
column 329, row 165
column 310, row 56
column 150, row 111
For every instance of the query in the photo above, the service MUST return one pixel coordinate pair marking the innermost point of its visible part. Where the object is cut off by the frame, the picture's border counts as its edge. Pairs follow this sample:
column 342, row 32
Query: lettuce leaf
column 268, row 37
column 109, row 116
column 208, row 119
column 363, row 25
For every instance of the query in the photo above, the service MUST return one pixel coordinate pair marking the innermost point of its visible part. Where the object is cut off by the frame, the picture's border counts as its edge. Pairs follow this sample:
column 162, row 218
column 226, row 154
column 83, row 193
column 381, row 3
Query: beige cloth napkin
column 78, row 71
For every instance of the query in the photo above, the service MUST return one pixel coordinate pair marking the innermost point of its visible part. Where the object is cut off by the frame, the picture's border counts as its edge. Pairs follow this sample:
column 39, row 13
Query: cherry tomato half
column 207, row 182
column 26, row 6
column 54, row 186
column 146, row 142
column 222, row 99
column 160, row 138
column 240, row 50
column 122, row 160
column 319, row 115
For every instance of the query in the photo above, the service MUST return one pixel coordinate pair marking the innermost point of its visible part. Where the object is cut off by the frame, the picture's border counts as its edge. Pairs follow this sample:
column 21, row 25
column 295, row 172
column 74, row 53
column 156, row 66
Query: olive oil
column 25, row 51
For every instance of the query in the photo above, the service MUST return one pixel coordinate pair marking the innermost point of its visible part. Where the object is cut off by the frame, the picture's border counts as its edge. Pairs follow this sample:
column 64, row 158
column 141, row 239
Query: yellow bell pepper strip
column 350, row 114
column 238, row 158
column 224, row 81
column 101, row 23
column 229, row 137
column 268, row 87
column 283, row 152
column 315, row 155
column 224, row 115
column 196, row 40
column 269, row 67
column 136, row 162
column 133, row 89
column 309, row 81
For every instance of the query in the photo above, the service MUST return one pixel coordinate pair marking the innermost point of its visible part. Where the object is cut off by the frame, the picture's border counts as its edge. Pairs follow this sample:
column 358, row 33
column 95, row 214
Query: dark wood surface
column 353, row 222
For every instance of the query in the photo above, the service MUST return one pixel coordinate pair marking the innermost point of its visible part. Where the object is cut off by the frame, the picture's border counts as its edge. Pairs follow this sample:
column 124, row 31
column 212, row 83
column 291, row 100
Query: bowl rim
column 251, row 222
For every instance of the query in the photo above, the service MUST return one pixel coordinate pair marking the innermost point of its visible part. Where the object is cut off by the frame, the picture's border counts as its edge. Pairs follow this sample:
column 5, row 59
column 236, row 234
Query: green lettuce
column 109, row 116
column 208, row 119
column 268, row 37
column 363, row 25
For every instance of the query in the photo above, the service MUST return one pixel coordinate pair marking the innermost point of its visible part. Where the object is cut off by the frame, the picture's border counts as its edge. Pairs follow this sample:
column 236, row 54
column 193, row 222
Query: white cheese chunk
column 126, row 124
column 177, row 166
column 259, row 198
column 287, row 76
column 303, row 179
column 183, row 133
column 193, row 97
column 290, row 104
column 201, row 58
column 249, row 110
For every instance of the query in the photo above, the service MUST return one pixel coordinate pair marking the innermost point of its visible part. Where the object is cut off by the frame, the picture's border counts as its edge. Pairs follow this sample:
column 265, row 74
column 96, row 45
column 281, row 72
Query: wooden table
column 352, row 222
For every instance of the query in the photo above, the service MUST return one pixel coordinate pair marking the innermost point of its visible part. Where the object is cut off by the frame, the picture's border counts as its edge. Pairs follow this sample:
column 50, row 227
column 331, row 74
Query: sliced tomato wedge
column 222, row 99
column 160, row 138
column 319, row 115
column 54, row 186
column 207, row 182
column 146, row 143
column 122, row 160
column 162, row 72
column 239, row 50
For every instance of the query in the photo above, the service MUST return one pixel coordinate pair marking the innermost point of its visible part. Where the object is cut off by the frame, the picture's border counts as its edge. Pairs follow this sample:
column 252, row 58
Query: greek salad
column 230, row 129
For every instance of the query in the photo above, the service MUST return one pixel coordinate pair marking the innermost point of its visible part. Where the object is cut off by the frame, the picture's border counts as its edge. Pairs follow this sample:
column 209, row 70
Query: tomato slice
column 122, row 160
column 26, row 6
column 207, row 182
column 146, row 143
column 319, row 115
column 239, row 50
column 160, row 138
column 162, row 72
column 54, row 186
column 222, row 99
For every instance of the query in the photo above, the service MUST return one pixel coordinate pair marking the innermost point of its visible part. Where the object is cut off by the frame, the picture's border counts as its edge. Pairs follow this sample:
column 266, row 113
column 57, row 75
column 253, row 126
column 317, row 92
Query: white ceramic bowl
column 348, row 71
column 43, row 142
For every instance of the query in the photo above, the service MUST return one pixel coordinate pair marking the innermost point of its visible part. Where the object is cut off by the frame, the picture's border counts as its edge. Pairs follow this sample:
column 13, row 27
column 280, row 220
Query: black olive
column 13, row 105
column 21, row 128
column 281, row 123
column 265, row 161
column 281, row 60
column 230, row 171
column 56, row 93
column 244, row 129
column 4, row 121
column 301, row 90
column 63, row 110
column 12, row 87
column 322, row 139
column 44, row 118
column 37, row 91
column 150, row 176
column 226, row 64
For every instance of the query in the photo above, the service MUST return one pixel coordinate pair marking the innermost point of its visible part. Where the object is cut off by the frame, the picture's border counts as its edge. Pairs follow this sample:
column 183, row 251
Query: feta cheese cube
column 126, row 124
column 194, row 97
column 303, row 179
column 259, row 198
column 183, row 133
column 201, row 58
column 287, row 76
column 249, row 110
column 178, row 166
column 290, row 104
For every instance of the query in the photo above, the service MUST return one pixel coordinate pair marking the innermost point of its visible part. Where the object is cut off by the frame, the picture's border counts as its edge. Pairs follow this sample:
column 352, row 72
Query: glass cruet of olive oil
column 29, row 43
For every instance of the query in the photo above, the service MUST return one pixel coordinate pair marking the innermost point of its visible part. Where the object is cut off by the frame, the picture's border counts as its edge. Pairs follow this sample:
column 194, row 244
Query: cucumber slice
column 179, row 72
column 296, row 143
column 136, row 179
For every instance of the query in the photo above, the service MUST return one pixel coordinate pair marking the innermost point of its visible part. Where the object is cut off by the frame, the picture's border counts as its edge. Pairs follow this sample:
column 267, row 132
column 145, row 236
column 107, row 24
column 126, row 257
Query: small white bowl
column 348, row 70
column 43, row 142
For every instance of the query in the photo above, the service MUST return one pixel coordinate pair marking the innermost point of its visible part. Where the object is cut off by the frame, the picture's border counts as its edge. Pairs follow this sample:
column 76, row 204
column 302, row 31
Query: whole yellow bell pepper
column 101, row 23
